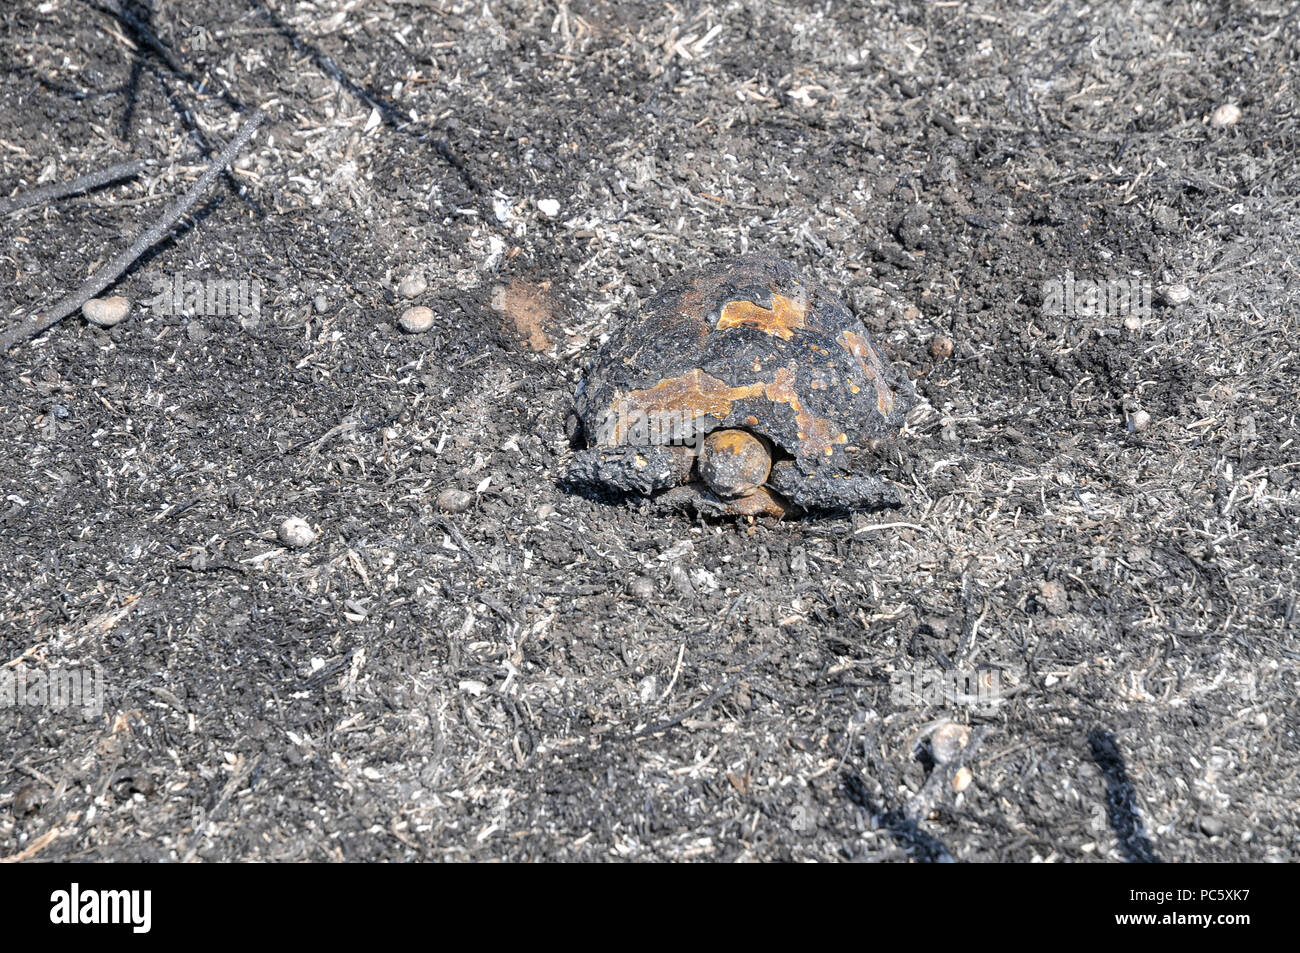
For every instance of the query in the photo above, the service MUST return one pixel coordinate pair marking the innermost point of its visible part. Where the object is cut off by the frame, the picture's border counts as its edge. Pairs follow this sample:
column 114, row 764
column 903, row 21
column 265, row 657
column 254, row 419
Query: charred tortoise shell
column 743, row 388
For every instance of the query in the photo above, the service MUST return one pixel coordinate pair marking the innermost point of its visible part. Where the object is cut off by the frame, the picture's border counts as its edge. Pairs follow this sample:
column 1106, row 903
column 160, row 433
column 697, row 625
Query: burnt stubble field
column 1100, row 509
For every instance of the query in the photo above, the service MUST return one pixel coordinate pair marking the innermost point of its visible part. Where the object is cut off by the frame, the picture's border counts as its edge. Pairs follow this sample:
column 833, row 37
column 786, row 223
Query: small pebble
column 941, row 347
column 948, row 742
column 641, row 587
column 1052, row 597
column 412, row 286
column 962, row 779
column 1132, row 322
column 452, row 500
column 295, row 533
column 1225, row 116
column 196, row 331
column 1212, row 826
column 1174, row 295
column 320, row 303
column 416, row 320
column 1139, row 420
column 548, row 207
column 106, row 312
column 545, row 511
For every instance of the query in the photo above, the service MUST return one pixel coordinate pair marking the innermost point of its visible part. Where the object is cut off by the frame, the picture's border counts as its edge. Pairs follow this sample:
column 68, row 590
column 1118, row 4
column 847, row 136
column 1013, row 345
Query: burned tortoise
column 741, row 389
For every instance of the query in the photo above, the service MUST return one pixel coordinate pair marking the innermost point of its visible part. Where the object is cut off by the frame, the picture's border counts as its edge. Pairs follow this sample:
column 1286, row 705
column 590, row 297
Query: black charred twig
column 58, row 190
column 183, row 112
column 1121, row 799
column 109, row 273
column 144, row 34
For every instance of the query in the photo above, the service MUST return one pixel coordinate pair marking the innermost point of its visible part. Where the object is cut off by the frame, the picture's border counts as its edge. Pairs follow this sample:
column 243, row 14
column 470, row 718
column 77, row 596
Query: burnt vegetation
column 1102, row 507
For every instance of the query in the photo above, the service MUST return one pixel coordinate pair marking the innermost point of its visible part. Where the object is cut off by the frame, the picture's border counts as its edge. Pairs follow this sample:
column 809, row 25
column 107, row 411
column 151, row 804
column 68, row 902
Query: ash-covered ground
column 1101, row 502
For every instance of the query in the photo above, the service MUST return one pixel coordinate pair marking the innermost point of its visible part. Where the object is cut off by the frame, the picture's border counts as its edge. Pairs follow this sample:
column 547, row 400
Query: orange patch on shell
column 697, row 394
column 872, row 367
column 693, row 395
column 816, row 432
column 781, row 320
